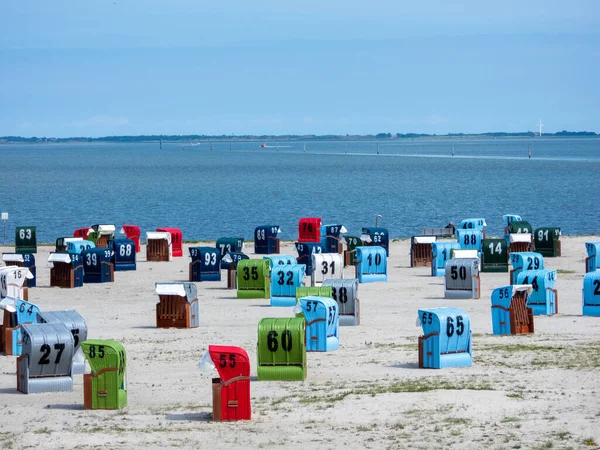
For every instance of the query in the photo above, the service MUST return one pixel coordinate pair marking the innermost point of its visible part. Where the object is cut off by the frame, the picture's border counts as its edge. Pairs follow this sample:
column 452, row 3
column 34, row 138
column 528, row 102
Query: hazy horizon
column 127, row 68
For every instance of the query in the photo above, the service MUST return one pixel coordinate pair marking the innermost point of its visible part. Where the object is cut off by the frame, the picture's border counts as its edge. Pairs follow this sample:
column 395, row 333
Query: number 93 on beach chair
column 446, row 340
column 205, row 264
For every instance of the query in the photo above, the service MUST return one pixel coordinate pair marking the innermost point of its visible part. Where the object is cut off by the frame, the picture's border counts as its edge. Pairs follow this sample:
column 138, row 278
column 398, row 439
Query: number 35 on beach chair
column 281, row 349
column 253, row 278
column 446, row 340
column 106, row 386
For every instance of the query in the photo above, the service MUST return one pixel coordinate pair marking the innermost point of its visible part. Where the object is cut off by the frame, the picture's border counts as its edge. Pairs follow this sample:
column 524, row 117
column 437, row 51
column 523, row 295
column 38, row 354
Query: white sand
column 529, row 398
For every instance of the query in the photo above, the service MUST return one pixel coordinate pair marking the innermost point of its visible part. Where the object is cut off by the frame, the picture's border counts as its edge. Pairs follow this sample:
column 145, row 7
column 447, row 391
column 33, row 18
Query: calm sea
column 230, row 189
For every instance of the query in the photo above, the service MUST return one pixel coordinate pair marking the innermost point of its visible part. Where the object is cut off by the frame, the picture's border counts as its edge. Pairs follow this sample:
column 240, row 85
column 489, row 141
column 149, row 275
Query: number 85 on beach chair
column 446, row 340
column 106, row 386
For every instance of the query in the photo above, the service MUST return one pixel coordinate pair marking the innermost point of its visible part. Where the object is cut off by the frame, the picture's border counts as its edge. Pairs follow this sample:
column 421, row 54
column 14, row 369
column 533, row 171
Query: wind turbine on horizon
column 540, row 125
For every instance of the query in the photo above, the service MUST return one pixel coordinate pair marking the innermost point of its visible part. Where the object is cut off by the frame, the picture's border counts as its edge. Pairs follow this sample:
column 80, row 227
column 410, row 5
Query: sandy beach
column 535, row 391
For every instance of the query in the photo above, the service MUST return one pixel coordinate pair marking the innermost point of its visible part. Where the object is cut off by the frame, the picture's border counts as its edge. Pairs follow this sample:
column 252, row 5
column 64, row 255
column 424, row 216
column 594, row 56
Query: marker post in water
column 4, row 219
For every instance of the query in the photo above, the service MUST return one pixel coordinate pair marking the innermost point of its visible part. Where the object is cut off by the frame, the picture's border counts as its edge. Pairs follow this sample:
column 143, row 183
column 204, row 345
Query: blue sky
column 128, row 67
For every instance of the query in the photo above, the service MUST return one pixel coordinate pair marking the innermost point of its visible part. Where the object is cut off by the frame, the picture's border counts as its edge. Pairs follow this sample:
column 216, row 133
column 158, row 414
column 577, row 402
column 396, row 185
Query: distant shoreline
column 381, row 137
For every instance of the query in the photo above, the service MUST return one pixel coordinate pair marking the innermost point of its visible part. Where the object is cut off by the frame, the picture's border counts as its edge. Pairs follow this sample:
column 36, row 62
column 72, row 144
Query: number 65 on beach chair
column 446, row 340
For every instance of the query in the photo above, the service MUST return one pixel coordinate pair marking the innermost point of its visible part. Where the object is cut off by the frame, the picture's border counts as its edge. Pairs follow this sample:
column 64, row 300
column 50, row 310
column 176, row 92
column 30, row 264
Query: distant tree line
column 287, row 137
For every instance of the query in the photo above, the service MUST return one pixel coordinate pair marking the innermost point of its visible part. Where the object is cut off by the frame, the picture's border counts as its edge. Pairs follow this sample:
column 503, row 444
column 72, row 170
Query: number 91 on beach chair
column 106, row 386
column 371, row 264
column 446, row 340
column 281, row 349
column 510, row 314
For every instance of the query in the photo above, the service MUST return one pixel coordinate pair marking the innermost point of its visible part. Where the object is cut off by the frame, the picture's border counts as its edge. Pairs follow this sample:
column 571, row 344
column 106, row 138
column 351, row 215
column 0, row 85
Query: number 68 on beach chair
column 446, row 340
